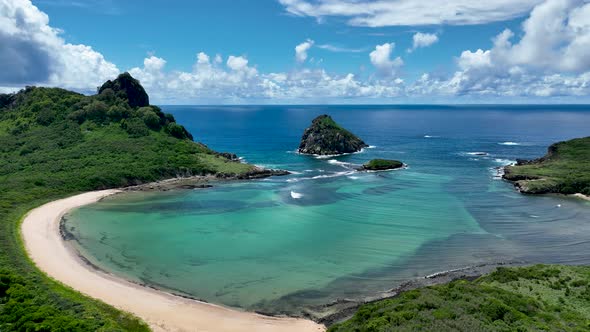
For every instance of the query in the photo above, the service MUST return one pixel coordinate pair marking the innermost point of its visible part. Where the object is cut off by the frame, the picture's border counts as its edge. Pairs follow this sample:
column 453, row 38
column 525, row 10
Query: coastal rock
column 256, row 173
column 128, row 86
column 381, row 165
column 326, row 137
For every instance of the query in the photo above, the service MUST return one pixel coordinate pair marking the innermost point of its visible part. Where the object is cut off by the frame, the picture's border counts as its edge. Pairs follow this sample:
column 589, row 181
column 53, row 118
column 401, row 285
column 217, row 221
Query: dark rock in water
column 326, row 137
column 381, row 165
column 129, row 88
column 256, row 173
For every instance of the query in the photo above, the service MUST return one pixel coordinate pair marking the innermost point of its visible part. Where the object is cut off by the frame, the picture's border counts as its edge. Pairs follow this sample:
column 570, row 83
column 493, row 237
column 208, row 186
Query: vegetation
column 564, row 170
column 381, row 165
column 537, row 298
column 326, row 137
column 55, row 143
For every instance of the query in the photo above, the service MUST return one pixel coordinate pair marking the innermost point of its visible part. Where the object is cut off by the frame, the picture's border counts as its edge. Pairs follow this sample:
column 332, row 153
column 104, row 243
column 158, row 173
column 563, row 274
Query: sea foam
column 296, row 195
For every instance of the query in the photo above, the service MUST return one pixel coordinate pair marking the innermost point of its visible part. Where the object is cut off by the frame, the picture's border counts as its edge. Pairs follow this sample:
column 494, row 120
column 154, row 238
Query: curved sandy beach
column 162, row 311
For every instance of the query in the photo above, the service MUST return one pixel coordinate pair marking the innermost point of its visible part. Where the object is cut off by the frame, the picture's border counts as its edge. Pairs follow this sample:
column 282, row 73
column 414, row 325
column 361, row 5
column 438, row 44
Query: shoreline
column 162, row 311
column 581, row 196
column 325, row 314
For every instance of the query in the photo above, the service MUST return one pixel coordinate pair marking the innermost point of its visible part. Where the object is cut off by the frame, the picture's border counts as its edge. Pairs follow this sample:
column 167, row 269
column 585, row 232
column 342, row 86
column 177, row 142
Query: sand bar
column 162, row 311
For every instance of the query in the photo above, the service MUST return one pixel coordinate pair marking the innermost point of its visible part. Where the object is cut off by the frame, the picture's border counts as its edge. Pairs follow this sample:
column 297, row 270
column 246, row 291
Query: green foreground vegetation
column 564, row 170
column 537, row 298
column 56, row 143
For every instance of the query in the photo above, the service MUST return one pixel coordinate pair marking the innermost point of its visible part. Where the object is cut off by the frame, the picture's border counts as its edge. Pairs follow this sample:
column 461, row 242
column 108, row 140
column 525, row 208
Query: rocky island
column 381, row 165
column 326, row 137
column 565, row 169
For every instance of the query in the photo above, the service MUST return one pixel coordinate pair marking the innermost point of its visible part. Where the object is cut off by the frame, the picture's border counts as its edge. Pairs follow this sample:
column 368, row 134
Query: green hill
column 536, row 298
column 55, row 143
column 565, row 169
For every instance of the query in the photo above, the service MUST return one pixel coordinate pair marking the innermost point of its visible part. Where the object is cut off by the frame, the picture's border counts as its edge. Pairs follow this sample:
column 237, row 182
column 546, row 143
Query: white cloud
column 203, row 58
column 340, row 49
column 381, row 59
column 238, row 82
column 551, row 59
column 32, row 52
column 423, row 40
column 301, row 50
column 379, row 13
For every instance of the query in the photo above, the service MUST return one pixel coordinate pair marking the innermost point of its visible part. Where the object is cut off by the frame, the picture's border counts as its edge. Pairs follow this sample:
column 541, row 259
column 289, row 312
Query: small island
column 565, row 169
column 381, row 165
column 326, row 137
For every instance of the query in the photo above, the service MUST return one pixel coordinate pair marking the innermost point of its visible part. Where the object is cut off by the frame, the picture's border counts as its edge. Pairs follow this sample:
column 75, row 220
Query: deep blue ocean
column 327, row 232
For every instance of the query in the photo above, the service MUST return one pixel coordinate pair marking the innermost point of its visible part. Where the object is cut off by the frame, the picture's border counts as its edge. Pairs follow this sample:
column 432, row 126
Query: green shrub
column 135, row 127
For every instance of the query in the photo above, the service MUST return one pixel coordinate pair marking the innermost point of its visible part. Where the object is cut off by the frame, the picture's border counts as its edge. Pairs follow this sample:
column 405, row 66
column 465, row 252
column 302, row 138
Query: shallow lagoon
column 327, row 232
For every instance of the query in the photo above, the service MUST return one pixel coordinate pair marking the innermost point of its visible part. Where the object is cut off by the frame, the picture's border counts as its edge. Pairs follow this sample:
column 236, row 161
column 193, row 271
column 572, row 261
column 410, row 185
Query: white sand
column 162, row 311
column 582, row 196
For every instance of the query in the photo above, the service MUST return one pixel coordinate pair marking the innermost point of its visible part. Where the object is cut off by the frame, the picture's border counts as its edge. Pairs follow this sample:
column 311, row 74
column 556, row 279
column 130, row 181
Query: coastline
column 162, row 311
column 581, row 196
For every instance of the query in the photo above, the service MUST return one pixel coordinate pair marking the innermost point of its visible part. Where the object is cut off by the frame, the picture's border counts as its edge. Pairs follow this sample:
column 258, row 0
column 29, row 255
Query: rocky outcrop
column 129, row 88
column 326, row 137
column 255, row 173
column 381, row 165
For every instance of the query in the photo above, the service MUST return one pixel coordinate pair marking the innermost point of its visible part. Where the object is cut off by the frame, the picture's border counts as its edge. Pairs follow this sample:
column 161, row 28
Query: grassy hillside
column 538, row 298
column 565, row 170
column 55, row 143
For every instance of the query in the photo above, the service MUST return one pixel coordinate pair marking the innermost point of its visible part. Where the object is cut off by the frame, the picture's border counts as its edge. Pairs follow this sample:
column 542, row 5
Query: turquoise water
column 326, row 232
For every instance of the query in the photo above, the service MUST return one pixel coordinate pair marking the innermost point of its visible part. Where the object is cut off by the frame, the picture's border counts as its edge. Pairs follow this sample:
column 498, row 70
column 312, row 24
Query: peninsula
column 565, row 169
column 326, row 137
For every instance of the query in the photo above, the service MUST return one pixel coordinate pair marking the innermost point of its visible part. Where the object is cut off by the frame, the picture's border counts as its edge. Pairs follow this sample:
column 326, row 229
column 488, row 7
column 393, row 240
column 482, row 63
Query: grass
column 564, row 170
column 537, row 298
column 55, row 143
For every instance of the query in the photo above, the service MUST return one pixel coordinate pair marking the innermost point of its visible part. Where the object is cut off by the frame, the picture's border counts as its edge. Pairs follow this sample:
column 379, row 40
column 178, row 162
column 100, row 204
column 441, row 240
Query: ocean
column 327, row 232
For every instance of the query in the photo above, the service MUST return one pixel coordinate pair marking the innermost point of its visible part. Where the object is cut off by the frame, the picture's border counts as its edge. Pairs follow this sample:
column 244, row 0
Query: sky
column 304, row 51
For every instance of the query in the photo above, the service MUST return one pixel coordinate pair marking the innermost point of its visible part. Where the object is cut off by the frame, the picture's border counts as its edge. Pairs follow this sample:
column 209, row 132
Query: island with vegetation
column 381, row 165
column 565, row 169
column 56, row 143
column 326, row 137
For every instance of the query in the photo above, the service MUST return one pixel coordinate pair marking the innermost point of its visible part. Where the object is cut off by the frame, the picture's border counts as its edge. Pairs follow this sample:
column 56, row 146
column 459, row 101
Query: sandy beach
column 162, row 311
column 582, row 196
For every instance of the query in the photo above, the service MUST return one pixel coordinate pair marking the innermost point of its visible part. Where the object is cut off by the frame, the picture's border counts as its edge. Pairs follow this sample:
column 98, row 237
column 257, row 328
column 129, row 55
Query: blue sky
column 260, row 30
column 354, row 51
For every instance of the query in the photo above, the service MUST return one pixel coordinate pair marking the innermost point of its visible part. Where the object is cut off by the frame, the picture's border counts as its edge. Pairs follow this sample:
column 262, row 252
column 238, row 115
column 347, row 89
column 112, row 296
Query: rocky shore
column 204, row 181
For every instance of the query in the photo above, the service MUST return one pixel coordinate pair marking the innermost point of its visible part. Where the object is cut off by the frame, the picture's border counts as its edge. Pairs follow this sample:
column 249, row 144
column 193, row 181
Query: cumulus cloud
column 550, row 59
column 423, row 40
column 237, row 81
column 381, row 59
column 32, row 52
column 301, row 50
column 380, row 13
